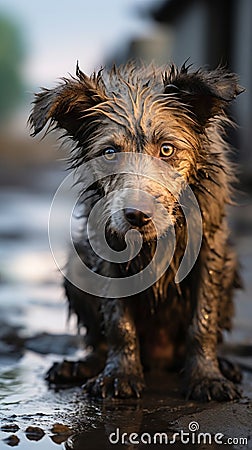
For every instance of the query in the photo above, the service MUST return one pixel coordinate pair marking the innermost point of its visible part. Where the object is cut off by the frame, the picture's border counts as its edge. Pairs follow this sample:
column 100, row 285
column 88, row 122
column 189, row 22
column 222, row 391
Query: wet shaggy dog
column 178, row 117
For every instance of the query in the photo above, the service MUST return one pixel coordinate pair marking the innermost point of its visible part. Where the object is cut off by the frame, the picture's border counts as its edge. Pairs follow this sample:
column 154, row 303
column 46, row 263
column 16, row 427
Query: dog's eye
column 110, row 154
column 167, row 150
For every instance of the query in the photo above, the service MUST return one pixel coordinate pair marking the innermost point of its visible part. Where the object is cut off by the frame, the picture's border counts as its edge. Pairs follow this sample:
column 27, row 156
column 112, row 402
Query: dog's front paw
column 219, row 389
column 68, row 373
column 115, row 385
column 64, row 373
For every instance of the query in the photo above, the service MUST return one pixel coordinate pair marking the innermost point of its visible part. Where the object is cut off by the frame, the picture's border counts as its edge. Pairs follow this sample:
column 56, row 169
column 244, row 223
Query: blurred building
column 209, row 32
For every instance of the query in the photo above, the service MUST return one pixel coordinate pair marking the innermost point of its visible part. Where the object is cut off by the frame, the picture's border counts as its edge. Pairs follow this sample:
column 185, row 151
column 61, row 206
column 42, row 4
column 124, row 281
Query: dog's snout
column 138, row 218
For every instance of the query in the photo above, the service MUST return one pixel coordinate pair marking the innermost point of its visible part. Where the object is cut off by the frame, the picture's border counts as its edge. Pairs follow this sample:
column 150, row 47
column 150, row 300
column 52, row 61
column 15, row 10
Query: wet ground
column 34, row 332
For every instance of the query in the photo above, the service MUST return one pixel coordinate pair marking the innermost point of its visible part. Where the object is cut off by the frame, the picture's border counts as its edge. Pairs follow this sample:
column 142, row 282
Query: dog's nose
column 138, row 218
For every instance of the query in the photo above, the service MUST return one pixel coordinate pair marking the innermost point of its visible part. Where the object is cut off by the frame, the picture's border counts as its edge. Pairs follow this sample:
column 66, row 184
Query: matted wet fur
column 177, row 115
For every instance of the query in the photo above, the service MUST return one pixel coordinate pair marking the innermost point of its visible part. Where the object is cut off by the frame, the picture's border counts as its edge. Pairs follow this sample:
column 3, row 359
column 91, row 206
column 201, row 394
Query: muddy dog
column 177, row 116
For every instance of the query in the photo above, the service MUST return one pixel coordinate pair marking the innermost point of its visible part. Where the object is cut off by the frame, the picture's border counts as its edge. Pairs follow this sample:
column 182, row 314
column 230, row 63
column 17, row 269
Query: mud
column 32, row 413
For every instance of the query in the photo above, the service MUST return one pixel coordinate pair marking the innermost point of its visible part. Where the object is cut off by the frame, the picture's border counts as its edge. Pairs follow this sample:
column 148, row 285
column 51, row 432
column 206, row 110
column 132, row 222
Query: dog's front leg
column 203, row 378
column 122, row 376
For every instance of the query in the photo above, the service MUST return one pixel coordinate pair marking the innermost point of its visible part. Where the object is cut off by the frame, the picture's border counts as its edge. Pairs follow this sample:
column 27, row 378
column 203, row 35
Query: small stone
column 12, row 440
column 10, row 427
column 59, row 428
column 59, row 438
column 34, row 433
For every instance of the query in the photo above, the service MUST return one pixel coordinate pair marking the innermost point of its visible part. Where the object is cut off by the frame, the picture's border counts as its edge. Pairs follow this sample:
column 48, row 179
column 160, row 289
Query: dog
column 175, row 116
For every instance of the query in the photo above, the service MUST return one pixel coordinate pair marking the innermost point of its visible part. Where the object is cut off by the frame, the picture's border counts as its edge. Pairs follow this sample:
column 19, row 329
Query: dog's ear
column 65, row 105
column 205, row 93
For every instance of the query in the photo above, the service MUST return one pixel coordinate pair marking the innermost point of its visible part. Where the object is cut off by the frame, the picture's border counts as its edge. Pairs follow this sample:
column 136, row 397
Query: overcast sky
column 58, row 33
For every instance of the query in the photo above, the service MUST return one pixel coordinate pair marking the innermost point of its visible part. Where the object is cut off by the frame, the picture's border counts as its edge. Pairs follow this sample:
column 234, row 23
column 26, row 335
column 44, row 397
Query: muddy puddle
column 34, row 332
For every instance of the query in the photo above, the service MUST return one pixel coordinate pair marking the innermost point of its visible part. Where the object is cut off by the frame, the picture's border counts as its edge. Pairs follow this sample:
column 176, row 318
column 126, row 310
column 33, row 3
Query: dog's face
column 150, row 154
column 164, row 114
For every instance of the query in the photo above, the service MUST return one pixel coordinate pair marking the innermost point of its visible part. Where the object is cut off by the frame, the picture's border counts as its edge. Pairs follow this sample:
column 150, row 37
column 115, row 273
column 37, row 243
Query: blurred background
column 40, row 42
